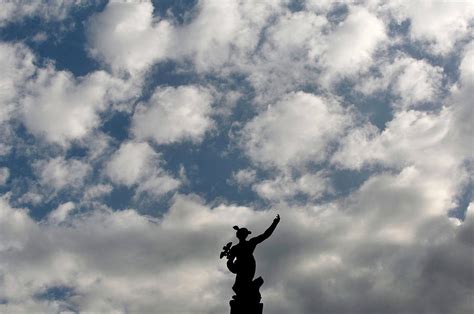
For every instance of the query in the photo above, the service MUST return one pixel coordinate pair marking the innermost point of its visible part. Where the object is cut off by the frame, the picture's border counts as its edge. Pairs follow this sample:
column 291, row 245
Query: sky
column 135, row 134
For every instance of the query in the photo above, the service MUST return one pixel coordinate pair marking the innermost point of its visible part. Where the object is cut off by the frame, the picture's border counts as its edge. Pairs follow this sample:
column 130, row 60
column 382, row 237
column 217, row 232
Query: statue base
column 237, row 307
column 247, row 300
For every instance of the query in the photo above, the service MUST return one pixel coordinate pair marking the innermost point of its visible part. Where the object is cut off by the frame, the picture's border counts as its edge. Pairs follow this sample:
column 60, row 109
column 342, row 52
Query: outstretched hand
column 277, row 219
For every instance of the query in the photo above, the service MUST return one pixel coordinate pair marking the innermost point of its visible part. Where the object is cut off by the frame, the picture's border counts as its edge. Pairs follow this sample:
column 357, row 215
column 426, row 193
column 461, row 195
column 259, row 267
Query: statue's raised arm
column 268, row 232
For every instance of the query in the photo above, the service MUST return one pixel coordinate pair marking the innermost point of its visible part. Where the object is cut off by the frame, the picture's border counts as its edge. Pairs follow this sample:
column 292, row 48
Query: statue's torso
column 244, row 260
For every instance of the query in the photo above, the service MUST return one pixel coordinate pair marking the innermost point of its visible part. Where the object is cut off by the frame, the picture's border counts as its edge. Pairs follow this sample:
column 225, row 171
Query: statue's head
column 242, row 233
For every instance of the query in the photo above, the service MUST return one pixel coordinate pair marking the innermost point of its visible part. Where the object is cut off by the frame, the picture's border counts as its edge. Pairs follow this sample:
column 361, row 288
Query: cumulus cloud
column 31, row 198
column 62, row 108
column 60, row 172
column 127, row 37
column 224, row 33
column 54, row 105
column 413, row 139
column 174, row 114
column 97, row 281
column 171, row 263
column 244, row 177
column 227, row 37
column 296, row 35
column 427, row 139
column 17, row 63
column 352, row 32
column 61, row 212
column 97, row 191
column 296, row 130
column 438, row 25
column 306, row 49
column 427, row 149
column 137, row 164
column 285, row 187
column 419, row 82
column 4, row 174
column 461, row 129
column 129, row 163
column 414, row 82
column 287, row 58
column 13, row 11
column 273, row 80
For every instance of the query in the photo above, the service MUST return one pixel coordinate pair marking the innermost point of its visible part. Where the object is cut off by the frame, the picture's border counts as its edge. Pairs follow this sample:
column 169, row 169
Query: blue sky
column 135, row 134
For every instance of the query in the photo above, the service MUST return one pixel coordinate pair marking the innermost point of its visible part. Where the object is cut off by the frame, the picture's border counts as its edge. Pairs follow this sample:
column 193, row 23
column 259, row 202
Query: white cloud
column 31, row 198
column 97, row 191
column 158, row 184
column 13, row 11
column 412, row 137
column 387, row 247
column 4, row 175
column 127, row 37
column 285, row 187
column 171, row 263
column 287, row 58
column 437, row 141
column 419, row 82
column 15, row 225
column 244, row 176
column 60, row 173
column 130, row 163
column 4, row 149
column 61, row 108
column 296, row 130
column 174, row 114
column 296, row 35
column 414, row 81
column 55, row 105
column 322, row 6
column 304, row 49
column 437, row 24
column 465, row 68
column 207, row 40
column 16, row 62
column 338, row 58
column 108, row 279
column 225, row 37
column 431, row 151
column 61, row 212
column 224, row 33
column 461, row 128
column 137, row 164
column 227, row 34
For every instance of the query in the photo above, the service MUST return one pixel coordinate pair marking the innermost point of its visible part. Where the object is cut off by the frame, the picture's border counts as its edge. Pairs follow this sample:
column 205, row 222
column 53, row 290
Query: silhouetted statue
column 241, row 262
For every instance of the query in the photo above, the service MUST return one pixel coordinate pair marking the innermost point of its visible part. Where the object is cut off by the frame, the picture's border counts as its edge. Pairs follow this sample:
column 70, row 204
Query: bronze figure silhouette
column 240, row 261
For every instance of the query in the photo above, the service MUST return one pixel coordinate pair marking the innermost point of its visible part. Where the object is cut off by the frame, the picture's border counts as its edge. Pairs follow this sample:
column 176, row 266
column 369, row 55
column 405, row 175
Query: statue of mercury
column 240, row 261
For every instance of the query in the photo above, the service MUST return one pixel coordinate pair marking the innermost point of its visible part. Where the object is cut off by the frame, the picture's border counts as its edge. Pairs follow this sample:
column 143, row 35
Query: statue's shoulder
column 236, row 248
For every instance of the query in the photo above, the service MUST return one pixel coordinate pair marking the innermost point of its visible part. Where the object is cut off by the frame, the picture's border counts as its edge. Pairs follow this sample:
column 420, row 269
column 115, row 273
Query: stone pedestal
column 245, row 308
column 247, row 298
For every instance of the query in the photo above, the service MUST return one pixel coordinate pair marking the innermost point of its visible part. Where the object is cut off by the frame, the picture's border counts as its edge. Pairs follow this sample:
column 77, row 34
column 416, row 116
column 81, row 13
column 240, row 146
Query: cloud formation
column 296, row 130
column 138, row 164
column 17, row 64
column 59, row 173
column 174, row 114
column 126, row 36
column 119, row 186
